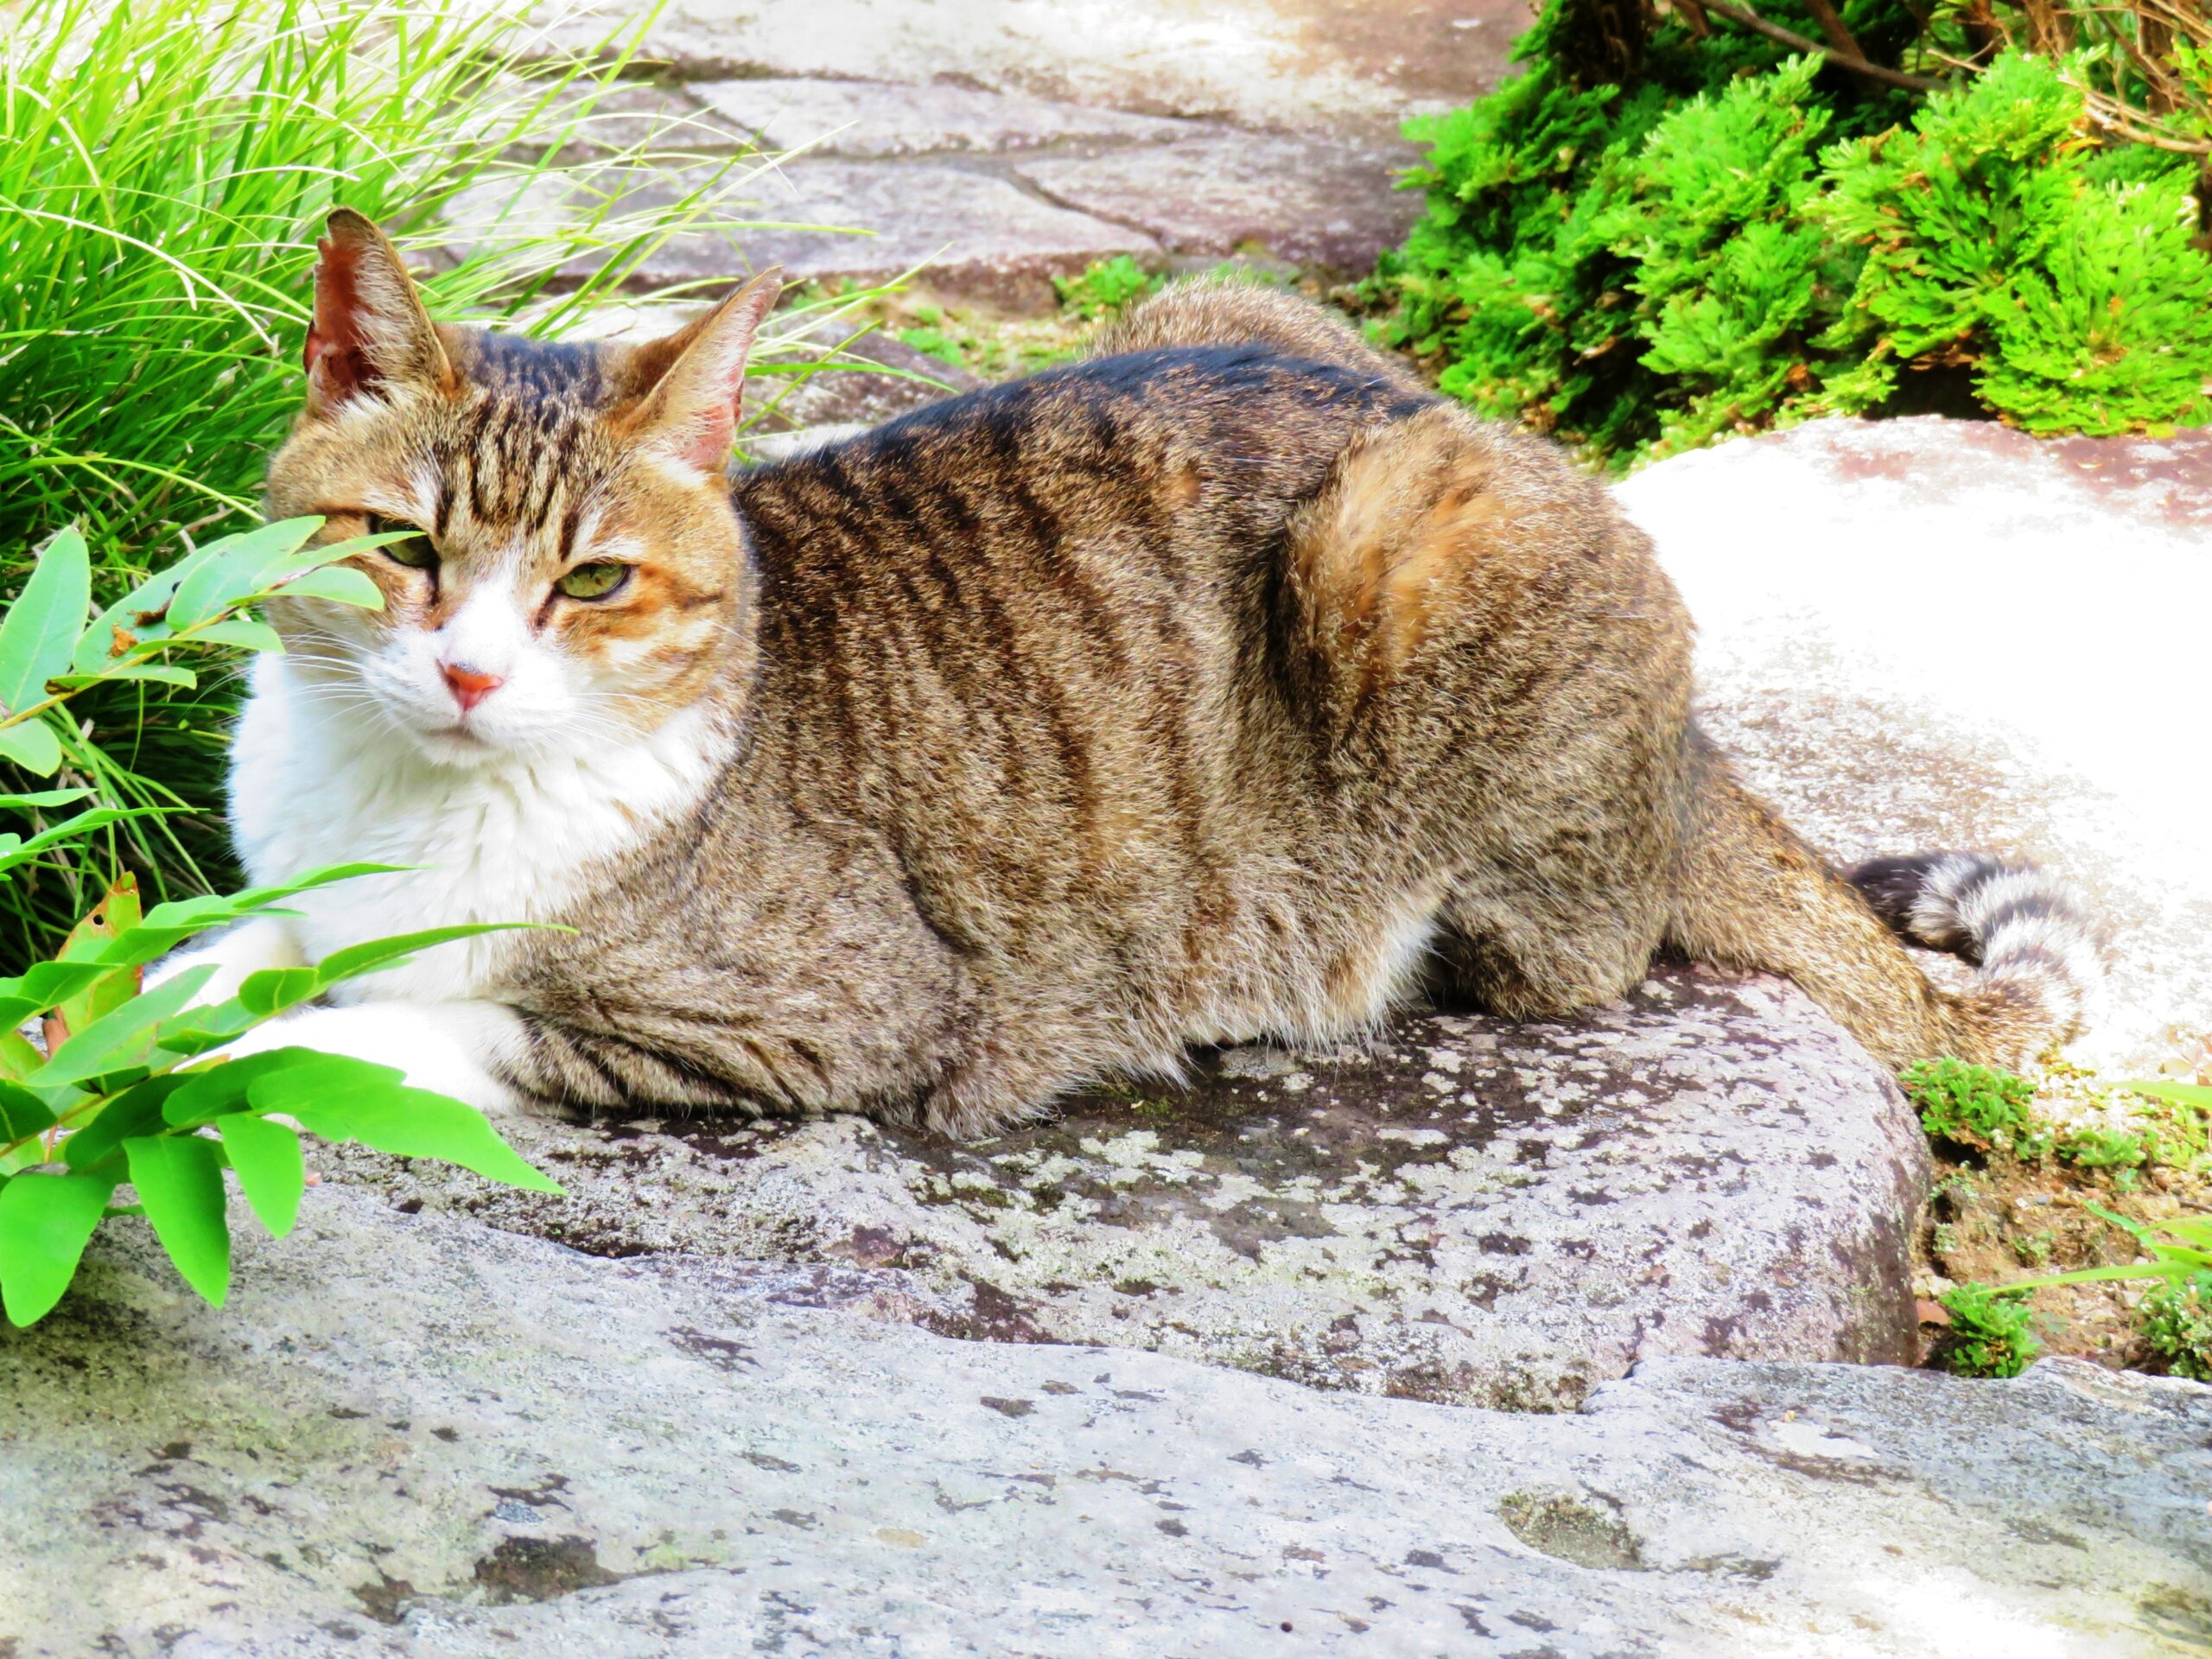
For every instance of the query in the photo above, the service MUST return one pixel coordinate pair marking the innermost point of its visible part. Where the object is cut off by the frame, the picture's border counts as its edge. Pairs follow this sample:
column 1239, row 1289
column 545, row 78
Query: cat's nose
column 468, row 686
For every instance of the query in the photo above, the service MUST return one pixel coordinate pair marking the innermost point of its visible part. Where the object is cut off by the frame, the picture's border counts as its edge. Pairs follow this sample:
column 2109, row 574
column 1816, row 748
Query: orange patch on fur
column 1377, row 551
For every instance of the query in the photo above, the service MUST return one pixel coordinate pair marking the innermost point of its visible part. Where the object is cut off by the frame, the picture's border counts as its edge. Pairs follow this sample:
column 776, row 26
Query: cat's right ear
column 369, row 329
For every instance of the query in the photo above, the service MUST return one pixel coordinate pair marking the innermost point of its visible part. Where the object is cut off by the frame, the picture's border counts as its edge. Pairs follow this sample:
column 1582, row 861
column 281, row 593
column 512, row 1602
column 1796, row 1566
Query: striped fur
column 1228, row 685
column 2029, row 934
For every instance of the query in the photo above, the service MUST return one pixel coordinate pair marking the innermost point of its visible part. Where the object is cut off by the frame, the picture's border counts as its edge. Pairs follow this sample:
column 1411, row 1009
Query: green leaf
column 180, row 1182
column 272, row 1172
column 274, row 989
column 197, row 1030
column 2180, row 1094
column 141, row 613
column 42, row 799
column 124, row 1038
column 18, row 1059
column 351, row 1100
column 339, row 583
column 22, row 1114
column 137, row 1110
column 42, row 626
column 168, row 925
column 167, row 673
column 31, row 746
column 244, row 633
column 235, row 569
column 211, row 1092
column 357, row 959
column 83, row 824
column 45, row 1221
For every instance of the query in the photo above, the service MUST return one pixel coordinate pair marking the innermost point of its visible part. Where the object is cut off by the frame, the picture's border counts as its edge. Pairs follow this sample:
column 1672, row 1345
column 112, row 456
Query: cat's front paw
column 449, row 1048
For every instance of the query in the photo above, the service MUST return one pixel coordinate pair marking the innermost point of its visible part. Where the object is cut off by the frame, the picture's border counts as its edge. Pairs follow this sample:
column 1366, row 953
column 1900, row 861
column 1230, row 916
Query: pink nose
column 470, row 688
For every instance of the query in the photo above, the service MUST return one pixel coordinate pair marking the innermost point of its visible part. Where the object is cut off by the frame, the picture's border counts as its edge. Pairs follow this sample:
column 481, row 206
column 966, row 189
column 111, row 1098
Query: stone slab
column 1925, row 632
column 416, row 1436
column 874, row 119
column 1306, row 65
column 1308, row 201
column 1463, row 1210
column 970, row 233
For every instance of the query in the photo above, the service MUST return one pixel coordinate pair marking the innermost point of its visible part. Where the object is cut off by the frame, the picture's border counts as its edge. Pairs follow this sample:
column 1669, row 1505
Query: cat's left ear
column 369, row 329
column 695, row 377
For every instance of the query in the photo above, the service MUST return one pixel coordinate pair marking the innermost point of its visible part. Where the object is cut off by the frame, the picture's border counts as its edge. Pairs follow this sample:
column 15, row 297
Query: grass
column 165, row 166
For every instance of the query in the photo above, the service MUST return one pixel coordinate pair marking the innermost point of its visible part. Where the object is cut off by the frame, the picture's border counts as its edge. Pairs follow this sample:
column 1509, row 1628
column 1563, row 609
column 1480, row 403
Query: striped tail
column 2040, row 955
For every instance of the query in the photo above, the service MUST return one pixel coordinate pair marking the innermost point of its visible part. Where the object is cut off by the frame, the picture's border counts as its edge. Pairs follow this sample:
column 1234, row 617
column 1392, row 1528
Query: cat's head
column 575, row 572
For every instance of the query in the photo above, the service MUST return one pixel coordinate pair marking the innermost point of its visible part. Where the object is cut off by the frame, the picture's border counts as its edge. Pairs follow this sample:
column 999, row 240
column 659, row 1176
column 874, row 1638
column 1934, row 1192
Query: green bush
column 1732, row 238
column 120, row 1093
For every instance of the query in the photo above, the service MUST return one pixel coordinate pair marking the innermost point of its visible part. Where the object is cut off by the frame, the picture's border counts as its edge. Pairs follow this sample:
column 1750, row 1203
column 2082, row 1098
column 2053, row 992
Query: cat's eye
column 593, row 580
column 416, row 552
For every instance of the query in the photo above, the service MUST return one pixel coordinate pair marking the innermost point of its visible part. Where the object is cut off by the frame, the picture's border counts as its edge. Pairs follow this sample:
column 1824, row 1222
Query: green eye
column 593, row 580
column 416, row 552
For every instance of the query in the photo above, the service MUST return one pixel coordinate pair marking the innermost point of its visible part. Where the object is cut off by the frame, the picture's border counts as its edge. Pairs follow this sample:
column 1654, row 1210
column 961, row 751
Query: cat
column 1228, row 684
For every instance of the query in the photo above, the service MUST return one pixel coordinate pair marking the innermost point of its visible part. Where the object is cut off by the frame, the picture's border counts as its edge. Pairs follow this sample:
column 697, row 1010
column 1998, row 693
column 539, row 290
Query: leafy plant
column 1974, row 1105
column 2177, row 1321
column 1989, row 1333
column 1105, row 287
column 124, row 1090
column 1646, row 242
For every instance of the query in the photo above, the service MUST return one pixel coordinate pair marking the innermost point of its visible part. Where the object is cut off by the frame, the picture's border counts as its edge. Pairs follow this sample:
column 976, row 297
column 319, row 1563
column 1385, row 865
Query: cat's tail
column 1224, row 310
column 1751, row 895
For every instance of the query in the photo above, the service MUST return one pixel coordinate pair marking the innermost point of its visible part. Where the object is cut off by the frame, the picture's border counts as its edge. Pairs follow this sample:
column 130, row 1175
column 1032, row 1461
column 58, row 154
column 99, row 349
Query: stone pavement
column 416, row 1436
column 1001, row 144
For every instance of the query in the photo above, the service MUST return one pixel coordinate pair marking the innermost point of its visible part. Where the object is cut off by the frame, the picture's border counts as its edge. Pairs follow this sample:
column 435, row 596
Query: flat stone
column 970, row 233
column 1309, row 202
column 1463, row 1210
column 870, row 118
column 620, row 117
column 414, row 1436
column 1926, row 632
column 1308, row 64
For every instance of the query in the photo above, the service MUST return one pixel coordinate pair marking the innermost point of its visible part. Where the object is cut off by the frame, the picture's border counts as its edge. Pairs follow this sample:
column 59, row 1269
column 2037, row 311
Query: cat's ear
column 695, row 376
column 369, row 326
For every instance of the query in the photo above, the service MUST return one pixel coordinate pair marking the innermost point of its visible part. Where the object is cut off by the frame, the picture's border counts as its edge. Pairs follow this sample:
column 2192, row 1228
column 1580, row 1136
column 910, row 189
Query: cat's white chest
column 312, row 785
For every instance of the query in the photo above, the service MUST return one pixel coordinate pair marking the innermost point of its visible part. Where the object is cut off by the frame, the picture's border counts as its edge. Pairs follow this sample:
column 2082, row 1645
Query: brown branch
column 1832, row 26
column 1851, row 61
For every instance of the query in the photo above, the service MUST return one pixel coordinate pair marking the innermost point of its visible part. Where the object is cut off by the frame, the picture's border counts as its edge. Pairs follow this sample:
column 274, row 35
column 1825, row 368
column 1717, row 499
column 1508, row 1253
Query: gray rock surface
column 999, row 145
column 1937, row 633
column 870, row 118
column 1465, row 1210
column 1313, row 65
column 1303, row 200
column 970, row 231
column 416, row 1436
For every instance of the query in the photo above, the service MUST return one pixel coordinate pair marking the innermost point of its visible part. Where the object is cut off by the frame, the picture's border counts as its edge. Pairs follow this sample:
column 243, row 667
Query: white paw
column 447, row 1047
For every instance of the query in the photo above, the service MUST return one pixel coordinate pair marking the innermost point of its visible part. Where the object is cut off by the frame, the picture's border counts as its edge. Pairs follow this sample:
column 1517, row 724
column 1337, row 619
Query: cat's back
column 1162, row 460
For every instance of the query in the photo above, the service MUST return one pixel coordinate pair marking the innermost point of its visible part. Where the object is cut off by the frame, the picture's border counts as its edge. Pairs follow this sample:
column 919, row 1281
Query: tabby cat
column 1227, row 684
